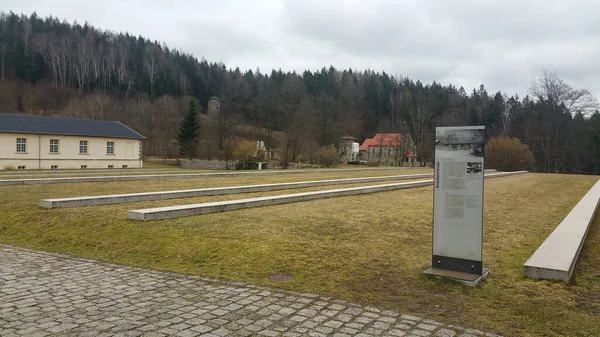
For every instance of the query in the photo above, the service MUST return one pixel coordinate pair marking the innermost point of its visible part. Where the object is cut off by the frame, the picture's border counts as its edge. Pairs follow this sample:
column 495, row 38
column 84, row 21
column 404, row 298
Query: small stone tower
column 214, row 106
column 345, row 148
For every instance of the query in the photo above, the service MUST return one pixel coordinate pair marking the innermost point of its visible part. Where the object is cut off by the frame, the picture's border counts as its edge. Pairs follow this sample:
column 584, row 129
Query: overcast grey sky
column 503, row 44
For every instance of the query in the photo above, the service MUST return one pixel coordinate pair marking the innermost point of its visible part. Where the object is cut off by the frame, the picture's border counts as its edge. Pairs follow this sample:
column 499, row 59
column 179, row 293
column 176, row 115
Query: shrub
column 228, row 148
column 282, row 158
column 301, row 158
column 246, row 166
column 508, row 154
column 245, row 150
column 327, row 156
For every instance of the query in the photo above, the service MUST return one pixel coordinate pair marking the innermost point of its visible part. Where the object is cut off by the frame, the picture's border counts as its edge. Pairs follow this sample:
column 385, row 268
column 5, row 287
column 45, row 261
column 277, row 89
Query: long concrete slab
column 32, row 181
column 86, row 175
column 163, row 195
column 556, row 257
column 170, row 212
column 88, row 171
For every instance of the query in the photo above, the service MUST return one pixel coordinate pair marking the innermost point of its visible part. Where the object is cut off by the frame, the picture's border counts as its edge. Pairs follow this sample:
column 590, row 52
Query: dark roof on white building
column 17, row 123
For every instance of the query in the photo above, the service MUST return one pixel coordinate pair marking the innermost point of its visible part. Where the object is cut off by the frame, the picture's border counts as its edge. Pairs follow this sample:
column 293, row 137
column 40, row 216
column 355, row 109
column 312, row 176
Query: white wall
column 38, row 156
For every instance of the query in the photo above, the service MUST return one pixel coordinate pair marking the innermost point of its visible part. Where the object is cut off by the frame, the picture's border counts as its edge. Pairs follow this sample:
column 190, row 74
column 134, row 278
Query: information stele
column 458, row 203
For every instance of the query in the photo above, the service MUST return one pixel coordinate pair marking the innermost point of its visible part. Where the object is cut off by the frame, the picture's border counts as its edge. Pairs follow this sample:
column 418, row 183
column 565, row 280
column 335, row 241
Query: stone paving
column 45, row 294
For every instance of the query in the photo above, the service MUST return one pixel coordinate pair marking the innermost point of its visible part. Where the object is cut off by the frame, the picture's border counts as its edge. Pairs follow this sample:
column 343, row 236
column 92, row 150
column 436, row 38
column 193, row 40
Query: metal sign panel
column 458, row 198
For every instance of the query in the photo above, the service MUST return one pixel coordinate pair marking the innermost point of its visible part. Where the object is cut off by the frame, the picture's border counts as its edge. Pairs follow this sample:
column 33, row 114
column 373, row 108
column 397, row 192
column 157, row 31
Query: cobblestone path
column 45, row 294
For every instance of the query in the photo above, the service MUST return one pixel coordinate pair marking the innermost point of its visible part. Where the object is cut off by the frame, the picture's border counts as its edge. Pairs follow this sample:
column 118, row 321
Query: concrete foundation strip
column 66, row 172
column 161, row 213
column 32, row 181
column 147, row 196
column 555, row 258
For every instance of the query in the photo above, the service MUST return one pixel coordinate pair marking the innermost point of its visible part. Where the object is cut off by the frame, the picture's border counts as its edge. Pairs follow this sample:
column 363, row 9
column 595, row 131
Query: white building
column 42, row 142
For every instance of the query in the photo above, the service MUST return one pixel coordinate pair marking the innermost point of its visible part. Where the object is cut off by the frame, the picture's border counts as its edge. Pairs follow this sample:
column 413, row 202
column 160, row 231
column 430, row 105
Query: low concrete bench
column 32, row 181
column 555, row 258
column 170, row 212
column 146, row 196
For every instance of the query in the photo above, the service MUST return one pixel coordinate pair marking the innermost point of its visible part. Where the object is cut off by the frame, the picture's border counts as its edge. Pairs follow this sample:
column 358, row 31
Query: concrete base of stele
column 468, row 279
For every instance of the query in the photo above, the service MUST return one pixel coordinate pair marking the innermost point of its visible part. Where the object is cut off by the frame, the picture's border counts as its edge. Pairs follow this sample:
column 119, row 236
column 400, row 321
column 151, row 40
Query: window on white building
column 21, row 167
column 54, row 167
column 110, row 147
column 53, row 145
column 83, row 166
column 83, row 147
column 21, row 145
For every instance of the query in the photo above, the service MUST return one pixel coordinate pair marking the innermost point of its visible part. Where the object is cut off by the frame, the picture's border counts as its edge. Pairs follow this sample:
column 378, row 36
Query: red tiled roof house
column 388, row 148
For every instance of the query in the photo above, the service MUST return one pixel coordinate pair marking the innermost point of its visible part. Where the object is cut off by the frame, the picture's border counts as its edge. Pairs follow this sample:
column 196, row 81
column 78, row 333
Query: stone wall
column 303, row 165
column 208, row 164
column 231, row 165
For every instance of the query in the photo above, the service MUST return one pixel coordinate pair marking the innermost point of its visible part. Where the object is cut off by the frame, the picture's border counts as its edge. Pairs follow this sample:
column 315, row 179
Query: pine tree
column 189, row 132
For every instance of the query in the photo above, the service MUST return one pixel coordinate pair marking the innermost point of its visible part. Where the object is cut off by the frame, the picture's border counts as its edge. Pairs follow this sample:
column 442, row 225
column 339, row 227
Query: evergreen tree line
column 54, row 67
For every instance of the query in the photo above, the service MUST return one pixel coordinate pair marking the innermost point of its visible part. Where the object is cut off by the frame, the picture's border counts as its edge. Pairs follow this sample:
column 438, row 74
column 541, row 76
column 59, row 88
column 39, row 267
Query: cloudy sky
column 503, row 44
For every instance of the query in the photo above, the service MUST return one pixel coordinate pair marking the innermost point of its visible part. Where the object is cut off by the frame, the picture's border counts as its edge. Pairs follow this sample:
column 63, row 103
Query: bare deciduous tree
column 84, row 51
column 151, row 63
column 91, row 106
column 549, row 87
column 168, row 111
column 2, row 56
column 418, row 123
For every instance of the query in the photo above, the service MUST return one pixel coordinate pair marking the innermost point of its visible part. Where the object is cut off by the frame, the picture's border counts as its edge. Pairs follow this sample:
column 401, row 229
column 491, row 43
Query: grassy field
column 369, row 249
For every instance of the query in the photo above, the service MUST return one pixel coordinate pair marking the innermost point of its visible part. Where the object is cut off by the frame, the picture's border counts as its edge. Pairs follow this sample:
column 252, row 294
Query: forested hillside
column 48, row 66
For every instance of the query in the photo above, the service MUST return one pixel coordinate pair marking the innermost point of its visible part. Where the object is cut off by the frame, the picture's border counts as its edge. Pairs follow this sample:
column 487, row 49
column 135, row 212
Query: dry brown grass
column 369, row 249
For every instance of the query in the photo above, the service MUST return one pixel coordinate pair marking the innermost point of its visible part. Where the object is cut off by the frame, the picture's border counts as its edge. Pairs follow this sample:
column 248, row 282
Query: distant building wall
column 388, row 154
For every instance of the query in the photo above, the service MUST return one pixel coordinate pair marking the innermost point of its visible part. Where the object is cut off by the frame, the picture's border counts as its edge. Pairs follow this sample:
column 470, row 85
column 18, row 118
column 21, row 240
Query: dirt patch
column 280, row 277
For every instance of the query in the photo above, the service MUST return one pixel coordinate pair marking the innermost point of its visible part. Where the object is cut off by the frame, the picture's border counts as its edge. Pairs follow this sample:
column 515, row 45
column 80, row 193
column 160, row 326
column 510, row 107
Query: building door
column 128, row 150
